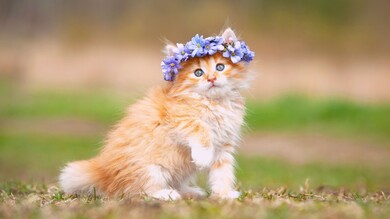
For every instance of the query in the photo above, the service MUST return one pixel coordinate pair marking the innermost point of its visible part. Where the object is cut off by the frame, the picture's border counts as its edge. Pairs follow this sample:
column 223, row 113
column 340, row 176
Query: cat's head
column 214, row 76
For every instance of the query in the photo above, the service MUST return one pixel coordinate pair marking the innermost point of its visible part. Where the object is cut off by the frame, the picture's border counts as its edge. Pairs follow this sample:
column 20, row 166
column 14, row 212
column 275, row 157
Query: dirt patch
column 305, row 148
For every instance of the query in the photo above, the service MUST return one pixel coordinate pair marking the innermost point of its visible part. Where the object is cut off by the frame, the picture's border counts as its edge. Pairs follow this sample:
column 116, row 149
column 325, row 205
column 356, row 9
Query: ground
column 38, row 201
column 29, row 201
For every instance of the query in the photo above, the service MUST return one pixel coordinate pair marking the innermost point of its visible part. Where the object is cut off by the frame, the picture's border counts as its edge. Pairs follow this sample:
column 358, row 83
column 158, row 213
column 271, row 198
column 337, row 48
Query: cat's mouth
column 213, row 86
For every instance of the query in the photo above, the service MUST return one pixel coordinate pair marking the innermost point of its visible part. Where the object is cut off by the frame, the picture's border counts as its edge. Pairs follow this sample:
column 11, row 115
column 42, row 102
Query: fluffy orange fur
column 167, row 136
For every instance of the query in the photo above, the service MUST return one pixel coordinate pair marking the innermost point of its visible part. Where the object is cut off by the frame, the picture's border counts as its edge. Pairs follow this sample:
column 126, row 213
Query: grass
column 98, row 107
column 39, row 152
column 297, row 113
column 287, row 113
column 255, row 172
column 20, row 200
column 30, row 163
column 50, row 153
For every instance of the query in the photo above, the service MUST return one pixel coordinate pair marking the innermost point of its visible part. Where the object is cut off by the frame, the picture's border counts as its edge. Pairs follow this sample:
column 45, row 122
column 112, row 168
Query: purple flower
column 196, row 46
column 248, row 54
column 181, row 52
column 234, row 51
column 169, row 76
column 213, row 45
column 170, row 67
column 219, row 43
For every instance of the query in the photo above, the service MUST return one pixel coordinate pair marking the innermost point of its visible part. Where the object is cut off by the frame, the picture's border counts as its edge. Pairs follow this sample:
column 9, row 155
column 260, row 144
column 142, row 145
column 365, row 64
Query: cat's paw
column 227, row 195
column 166, row 195
column 202, row 156
column 193, row 193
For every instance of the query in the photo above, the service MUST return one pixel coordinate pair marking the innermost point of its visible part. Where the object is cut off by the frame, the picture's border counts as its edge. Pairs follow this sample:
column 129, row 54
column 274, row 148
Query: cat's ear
column 169, row 49
column 228, row 35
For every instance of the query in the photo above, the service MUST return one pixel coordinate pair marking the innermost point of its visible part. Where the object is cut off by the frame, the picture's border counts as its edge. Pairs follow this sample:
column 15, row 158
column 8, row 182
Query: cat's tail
column 77, row 177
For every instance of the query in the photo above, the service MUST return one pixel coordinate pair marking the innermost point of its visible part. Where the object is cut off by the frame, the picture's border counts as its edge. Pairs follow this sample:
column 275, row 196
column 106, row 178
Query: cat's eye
column 198, row 72
column 220, row 67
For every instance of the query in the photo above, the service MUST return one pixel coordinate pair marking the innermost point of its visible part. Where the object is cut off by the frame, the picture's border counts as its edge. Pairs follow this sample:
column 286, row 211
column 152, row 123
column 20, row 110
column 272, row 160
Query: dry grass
column 18, row 200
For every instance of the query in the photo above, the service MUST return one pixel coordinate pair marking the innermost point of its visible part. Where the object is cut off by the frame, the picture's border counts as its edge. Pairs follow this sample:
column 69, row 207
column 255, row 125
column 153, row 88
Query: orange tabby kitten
column 190, row 124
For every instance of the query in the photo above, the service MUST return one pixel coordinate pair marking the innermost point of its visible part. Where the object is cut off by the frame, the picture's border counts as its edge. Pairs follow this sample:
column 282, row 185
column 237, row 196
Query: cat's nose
column 211, row 79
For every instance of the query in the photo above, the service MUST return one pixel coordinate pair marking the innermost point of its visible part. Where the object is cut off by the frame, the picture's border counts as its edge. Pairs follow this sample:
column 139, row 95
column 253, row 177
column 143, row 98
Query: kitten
column 190, row 124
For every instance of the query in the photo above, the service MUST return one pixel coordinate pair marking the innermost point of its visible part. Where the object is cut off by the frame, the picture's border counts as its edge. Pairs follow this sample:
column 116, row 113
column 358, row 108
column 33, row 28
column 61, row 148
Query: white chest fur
column 224, row 120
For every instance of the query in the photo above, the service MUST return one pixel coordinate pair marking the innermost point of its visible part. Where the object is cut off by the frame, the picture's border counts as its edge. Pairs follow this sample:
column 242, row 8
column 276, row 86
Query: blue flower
column 219, row 43
column 234, row 51
column 169, row 76
column 170, row 67
column 196, row 46
column 181, row 52
column 213, row 45
column 248, row 54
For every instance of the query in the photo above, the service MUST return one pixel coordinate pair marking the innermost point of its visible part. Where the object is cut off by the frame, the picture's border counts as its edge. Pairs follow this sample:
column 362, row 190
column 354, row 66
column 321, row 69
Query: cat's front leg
column 195, row 134
column 202, row 153
column 221, row 177
column 189, row 190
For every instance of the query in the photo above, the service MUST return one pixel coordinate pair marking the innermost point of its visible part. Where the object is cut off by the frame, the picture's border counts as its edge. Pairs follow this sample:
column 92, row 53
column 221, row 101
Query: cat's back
column 151, row 107
column 149, row 111
column 141, row 120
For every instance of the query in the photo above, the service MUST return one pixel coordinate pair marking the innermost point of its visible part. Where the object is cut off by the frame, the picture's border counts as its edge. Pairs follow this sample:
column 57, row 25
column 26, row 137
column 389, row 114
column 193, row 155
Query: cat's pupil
column 220, row 67
column 198, row 72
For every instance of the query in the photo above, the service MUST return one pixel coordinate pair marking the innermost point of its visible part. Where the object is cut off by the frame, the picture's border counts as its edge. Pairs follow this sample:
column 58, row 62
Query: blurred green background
column 318, row 108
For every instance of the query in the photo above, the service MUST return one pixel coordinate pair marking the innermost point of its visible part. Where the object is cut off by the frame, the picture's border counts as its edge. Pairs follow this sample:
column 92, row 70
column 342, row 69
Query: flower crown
column 199, row 47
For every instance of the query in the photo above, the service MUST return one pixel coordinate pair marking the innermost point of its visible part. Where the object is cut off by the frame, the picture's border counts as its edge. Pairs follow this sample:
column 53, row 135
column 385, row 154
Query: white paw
column 227, row 195
column 202, row 156
column 193, row 192
column 166, row 195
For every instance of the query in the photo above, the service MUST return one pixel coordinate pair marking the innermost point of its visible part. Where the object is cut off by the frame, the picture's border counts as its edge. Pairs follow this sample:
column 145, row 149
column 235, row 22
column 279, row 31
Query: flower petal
column 194, row 52
column 220, row 47
column 226, row 54
column 235, row 59
column 237, row 45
